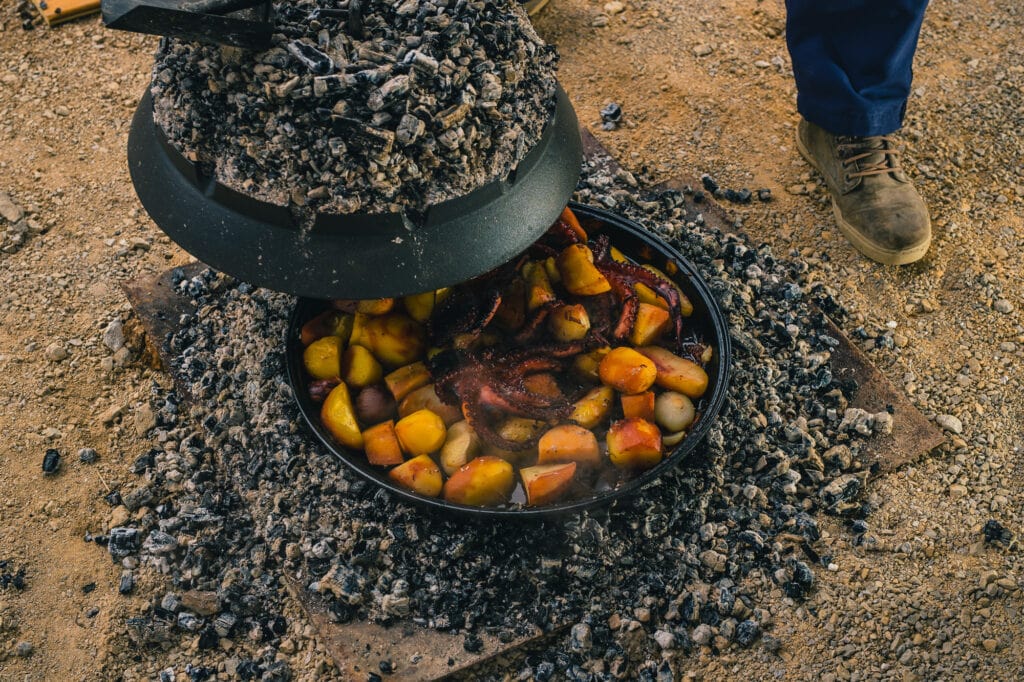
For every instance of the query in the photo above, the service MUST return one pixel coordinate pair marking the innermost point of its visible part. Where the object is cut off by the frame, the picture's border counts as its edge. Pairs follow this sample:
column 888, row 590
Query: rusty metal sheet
column 417, row 653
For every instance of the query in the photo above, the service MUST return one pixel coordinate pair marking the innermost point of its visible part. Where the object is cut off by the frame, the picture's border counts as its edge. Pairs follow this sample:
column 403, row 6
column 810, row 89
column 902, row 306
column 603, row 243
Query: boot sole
column 873, row 251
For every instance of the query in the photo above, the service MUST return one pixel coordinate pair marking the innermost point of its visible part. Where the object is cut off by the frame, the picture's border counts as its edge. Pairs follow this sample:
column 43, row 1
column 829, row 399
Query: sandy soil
column 917, row 601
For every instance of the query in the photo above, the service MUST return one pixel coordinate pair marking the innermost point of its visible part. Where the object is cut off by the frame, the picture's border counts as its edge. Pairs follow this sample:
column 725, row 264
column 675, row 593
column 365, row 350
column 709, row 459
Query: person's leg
column 852, row 62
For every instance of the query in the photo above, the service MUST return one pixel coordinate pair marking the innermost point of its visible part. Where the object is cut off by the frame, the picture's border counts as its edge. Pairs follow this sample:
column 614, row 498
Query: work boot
column 875, row 205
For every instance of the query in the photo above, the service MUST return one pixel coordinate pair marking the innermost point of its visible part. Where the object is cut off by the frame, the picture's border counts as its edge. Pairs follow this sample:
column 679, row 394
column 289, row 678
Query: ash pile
column 362, row 105
column 244, row 495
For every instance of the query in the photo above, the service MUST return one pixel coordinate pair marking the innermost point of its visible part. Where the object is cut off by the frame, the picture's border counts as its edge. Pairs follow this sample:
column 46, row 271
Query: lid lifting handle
column 202, row 20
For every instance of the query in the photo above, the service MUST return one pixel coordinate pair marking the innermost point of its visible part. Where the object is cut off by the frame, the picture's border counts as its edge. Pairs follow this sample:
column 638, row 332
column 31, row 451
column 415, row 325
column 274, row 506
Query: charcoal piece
column 113, row 498
column 51, row 462
column 335, row 84
column 388, row 93
column 88, row 587
column 996, row 533
column 208, row 638
column 374, row 141
column 87, row 456
column 354, row 21
column 127, row 583
column 123, row 541
column 145, row 461
column 422, row 63
column 171, row 602
column 160, row 542
column 224, row 622
column 709, row 183
column 747, row 632
column 310, row 57
column 189, row 622
column 611, row 114
column 764, row 195
column 452, row 116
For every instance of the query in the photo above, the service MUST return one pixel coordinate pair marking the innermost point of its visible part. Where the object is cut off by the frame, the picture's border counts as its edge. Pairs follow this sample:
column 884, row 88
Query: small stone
column 145, row 420
column 287, row 646
column 713, row 560
column 109, row 415
column 665, row 639
column 24, row 649
column 956, row 491
column 702, row 635
column 56, row 352
column 9, row 211
column 88, row 456
column 113, row 335
column 614, row 7
column 119, row 516
column 747, row 632
column 950, row 423
column 702, row 50
column 1003, row 306
column 189, row 622
column 990, row 645
column 580, row 639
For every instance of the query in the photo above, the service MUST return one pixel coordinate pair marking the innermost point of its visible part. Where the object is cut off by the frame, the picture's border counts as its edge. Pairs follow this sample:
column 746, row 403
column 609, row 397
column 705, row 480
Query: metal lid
column 357, row 255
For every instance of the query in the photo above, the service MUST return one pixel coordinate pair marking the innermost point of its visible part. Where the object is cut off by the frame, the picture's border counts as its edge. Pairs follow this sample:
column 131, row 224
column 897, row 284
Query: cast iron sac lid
column 356, row 255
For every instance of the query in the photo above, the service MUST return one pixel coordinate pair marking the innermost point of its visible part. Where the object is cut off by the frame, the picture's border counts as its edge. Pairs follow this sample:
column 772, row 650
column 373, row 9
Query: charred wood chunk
column 310, row 57
column 375, row 141
column 388, row 93
column 338, row 83
column 409, row 129
column 422, row 63
column 452, row 116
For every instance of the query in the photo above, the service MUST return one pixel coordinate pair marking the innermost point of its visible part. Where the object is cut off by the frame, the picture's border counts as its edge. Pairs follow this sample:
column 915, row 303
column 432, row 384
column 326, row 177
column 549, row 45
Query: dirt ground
column 706, row 88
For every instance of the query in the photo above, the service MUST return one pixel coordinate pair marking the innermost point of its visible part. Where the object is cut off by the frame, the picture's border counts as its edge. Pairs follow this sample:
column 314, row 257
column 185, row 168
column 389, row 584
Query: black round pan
column 707, row 323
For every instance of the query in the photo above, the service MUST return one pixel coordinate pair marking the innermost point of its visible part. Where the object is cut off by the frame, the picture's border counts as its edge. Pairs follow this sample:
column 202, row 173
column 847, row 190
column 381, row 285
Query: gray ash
column 249, row 496
column 415, row 103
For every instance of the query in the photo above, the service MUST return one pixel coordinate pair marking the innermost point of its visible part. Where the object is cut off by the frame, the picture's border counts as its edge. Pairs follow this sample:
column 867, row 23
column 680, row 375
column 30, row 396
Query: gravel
column 399, row 106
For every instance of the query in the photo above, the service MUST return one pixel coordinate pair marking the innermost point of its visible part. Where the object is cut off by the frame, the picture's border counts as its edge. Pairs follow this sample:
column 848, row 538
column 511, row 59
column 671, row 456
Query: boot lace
column 856, row 154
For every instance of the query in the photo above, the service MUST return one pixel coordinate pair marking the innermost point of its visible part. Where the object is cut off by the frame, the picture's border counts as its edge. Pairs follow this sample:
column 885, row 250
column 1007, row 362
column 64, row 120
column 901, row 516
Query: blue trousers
column 852, row 61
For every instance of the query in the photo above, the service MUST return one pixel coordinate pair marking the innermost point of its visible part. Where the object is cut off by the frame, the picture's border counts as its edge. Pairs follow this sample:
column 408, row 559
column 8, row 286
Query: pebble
column 702, row 50
column 665, row 639
column 113, row 335
column 990, row 645
column 950, row 423
column 614, row 7
column 88, row 456
column 24, row 649
column 1003, row 306
column 9, row 210
column 145, row 420
column 56, row 351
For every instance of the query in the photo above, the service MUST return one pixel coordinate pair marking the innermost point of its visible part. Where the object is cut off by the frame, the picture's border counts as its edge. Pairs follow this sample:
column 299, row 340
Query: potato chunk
column 578, row 273
column 359, row 368
column 546, row 483
column 676, row 373
column 407, row 379
column 627, row 371
column 322, row 358
column 420, row 475
column 339, row 417
column 395, row 338
column 593, row 408
column 460, row 446
column 421, row 433
column 639, row 406
column 381, row 444
column 569, row 443
column 483, row 482
column 634, row 444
